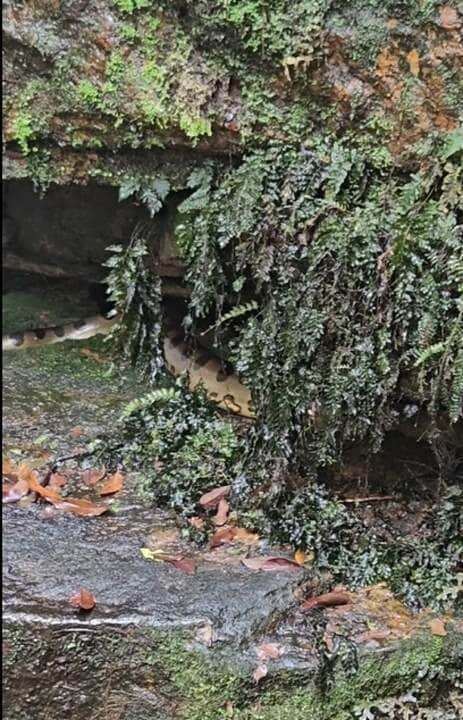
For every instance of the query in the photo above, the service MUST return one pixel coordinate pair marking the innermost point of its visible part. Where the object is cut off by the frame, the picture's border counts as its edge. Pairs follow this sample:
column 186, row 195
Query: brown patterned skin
column 203, row 368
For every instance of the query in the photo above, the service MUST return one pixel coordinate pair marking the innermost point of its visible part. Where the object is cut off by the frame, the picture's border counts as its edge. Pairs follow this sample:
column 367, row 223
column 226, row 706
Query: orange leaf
column 270, row 564
column 327, row 600
column 112, row 484
column 222, row 513
column 90, row 477
column 414, row 62
column 47, row 492
column 437, row 627
column 222, row 537
column 84, row 600
column 299, row 557
column 242, row 535
column 79, row 506
column 212, row 498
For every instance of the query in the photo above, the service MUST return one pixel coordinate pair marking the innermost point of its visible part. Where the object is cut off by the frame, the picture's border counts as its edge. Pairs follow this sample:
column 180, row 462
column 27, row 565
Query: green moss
column 128, row 33
column 211, row 692
column 23, row 130
column 194, row 127
column 88, row 93
column 127, row 7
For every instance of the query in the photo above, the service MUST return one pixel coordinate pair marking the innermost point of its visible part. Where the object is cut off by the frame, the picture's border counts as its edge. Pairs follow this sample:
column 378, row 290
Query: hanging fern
column 233, row 314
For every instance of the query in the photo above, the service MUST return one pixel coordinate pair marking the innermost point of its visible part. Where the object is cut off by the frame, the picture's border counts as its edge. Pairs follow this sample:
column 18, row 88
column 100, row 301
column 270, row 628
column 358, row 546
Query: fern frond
column 436, row 349
column 232, row 314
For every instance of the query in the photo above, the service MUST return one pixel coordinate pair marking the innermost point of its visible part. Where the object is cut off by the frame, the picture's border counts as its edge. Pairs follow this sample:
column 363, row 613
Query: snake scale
column 203, row 368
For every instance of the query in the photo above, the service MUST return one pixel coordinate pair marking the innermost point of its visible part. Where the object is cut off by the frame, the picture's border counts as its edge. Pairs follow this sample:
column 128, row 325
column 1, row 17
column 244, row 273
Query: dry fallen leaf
column 76, row 431
column 220, row 518
column 12, row 492
column 244, row 536
column 186, row 565
column 270, row 650
column 84, row 600
column 326, row 600
column 299, row 557
column 270, row 564
column 197, row 522
column 48, row 493
column 260, row 672
column 91, row 477
column 113, row 484
column 438, row 627
column 414, row 62
column 79, row 506
column 222, row 537
column 211, row 499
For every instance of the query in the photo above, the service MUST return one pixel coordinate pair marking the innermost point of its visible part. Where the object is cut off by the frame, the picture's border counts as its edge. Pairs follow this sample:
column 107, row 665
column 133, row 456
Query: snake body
column 203, row 368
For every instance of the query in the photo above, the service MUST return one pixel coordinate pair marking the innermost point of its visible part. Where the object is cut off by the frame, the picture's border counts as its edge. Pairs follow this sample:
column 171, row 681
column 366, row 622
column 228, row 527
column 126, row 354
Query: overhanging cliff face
column 85, row 78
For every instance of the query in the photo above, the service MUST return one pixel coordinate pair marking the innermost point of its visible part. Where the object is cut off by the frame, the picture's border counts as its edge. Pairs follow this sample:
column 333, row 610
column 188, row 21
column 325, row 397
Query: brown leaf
column 14, row 492
column 211, row 499
column 270, row 564
column 186, row 565
column 27, row 472
column 84, row 600
column 260, row 672
column 56, row 480
column 448, row 18
column 76, row 431
column 326, row 600
column 438, row 627
column 91, row 477
column 222, row 537
column 221, row 517
column 48, row 493
column 113, row 484
column 197, row 522
column 79, row 506
column 299, row 557
column 242, row 535
column 371, row 635
column 270, row 650
column 414, row 62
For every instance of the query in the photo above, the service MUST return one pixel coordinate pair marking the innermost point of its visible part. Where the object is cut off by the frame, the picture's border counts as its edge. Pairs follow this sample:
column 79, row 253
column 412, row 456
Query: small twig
column 370, row 498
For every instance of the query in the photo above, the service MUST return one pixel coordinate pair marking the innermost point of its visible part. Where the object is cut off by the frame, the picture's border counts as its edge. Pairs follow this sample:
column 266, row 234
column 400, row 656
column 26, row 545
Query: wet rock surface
column 49, row 556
